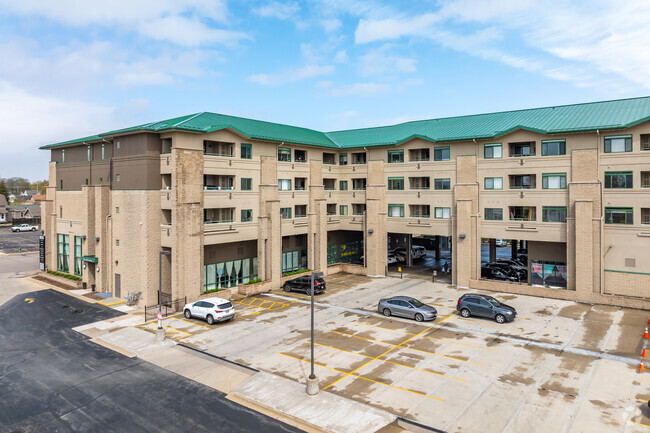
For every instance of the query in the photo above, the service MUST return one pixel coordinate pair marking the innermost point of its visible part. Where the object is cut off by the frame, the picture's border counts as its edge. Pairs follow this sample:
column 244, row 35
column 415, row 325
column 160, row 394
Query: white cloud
column 289, row 76
column 379, row 61
column 393, row 28
column 331, row 25
column 361, row 89
column 341, row 56
column 176, row 21
column 188, row 32
column 276, row 9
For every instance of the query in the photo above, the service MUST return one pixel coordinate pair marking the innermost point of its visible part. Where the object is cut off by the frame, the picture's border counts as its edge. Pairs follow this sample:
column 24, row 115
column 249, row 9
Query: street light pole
column 161, row 331
column 312, row 382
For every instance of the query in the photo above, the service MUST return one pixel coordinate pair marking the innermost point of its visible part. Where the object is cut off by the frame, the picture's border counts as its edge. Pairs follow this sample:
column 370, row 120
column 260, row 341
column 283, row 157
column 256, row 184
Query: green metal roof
column 593, row 116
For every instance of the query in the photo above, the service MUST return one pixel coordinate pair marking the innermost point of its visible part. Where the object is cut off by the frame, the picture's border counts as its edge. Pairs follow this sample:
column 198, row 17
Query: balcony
column 522, row 213
column 522, row 149
column 419, row 183
column 359, row 184
column 218, row 183
column 359, row 158
column 218, row 148
column 419, row 155
column 218, row 216
column 525, row 181
column 420, row 211
column 329, row 184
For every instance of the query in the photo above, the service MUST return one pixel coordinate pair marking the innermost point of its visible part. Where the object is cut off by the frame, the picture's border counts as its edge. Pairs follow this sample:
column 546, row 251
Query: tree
column 39, row 186
column 16, row 185
column 3, row 190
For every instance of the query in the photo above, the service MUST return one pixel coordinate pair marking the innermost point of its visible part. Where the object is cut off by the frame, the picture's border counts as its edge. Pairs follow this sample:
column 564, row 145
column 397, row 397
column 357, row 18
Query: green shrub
column 286, row 274
column 64, row 275
column 256, row 280
column 211, row 290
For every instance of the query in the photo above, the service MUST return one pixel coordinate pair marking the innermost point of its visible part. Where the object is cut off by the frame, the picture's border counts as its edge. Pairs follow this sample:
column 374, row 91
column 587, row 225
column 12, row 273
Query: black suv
column 495, row 273
column 475, row 304
column 303, row 284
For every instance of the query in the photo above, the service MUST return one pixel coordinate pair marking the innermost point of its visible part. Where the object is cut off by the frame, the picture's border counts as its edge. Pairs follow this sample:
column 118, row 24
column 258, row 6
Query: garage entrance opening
column 427, row 254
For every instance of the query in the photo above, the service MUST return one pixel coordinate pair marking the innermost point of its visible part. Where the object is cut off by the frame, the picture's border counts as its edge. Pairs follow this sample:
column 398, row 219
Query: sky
column 72, row 68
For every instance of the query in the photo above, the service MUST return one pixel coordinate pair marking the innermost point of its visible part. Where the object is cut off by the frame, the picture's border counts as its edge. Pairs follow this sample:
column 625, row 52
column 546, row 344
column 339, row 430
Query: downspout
column 477, row 274
column 109, row 235
column 601, row 220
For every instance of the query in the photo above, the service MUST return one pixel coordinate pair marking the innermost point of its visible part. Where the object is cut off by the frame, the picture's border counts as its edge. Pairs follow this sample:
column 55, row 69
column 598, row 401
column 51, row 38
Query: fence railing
column 169, row 306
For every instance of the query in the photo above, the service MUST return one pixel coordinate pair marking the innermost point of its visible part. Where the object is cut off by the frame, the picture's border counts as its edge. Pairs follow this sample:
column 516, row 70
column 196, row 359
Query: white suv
column 210, row 309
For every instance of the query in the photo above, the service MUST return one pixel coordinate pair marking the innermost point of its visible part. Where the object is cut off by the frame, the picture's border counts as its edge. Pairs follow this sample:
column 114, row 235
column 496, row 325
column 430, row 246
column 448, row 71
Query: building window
column 395, row 156
column 395, row 183
column 343, row 185
column 284, row 184
column 553, row 147
column 442, row 183
column 229, row 274
column 493, row 183
column 523, row 213
column 246, row 151
column 86, row 181
column 359, row 184
column 102, row 151
column 63, row 155
column 118, row 144
column 300, row 155
column 62, row 253
column 619, row 215
column 78, row 253
column 619, row 143
column 554, row 181
column 619, row 179
column 117, row 242
column 441, row 154
column 645, row 141
column 419, row 183
column 343, row 209
column 300, row 183
column 61, row 185
column 60, row 211
column 522, row 149
column 645, row 215
column 329, row 184
column 89, row 153
column 359, row 158
column 554, row 214
column 284, row 154
column 491, row 151
column 331, row 208
column 523, row 181
column 419, row 155
column 645, row 179
column 420, row 211
column 246, row 184
column 493, row 214
column 442, row 212
column 358, row 208
column 117, row 177
column 285, row 213
column 396, row 210
column 329, row 158
column 246, row 215
column 117, row 210
column 343, row 159
column 290, row 261
column 101, row 180
column 301, row 211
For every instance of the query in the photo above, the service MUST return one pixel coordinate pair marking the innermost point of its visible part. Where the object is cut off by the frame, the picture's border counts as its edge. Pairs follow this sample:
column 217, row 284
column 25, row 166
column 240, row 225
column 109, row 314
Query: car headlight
column 509, row 313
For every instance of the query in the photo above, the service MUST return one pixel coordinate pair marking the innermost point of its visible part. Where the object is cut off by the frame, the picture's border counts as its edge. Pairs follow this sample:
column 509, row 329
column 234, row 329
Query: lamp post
column 312, row 381
column 161, row 331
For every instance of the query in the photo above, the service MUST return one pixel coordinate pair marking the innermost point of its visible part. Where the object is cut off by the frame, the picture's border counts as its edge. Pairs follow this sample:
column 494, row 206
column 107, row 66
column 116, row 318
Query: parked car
column 519, row 271
column 475, row 304
column 303, row 284
column 211, row 309
column 405, row 306
column 501, row 243
column 24, row 228
column 494, row 273
column 392, row 258
column 515, row 264
column 417, row 252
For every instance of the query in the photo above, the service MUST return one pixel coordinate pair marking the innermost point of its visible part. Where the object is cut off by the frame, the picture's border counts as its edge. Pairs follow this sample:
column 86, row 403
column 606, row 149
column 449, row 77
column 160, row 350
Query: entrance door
column 118, row 286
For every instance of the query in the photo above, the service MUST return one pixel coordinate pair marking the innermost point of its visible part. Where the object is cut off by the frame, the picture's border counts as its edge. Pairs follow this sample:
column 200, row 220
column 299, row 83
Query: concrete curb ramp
column 327, row 411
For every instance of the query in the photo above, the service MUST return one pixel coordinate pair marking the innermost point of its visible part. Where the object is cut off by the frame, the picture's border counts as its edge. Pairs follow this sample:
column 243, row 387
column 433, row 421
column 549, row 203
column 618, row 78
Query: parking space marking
column 262, row 303
column 381, row 327
column 448, row 317
column 169, row 331
column 641, row 399
column 490, row 323
column 645, row 380
column 359, row 377
column 638, row 423
column 113, row 303
column 390, row 362
column 363, row 365
column 406, row 347
column 187, row 321
column 291, row 294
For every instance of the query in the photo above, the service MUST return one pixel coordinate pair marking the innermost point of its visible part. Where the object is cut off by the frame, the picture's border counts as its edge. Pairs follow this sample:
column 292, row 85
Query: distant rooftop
column 604, row 115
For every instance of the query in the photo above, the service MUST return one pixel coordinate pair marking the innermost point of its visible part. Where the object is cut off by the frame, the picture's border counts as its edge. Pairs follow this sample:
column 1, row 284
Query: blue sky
column 72, row 68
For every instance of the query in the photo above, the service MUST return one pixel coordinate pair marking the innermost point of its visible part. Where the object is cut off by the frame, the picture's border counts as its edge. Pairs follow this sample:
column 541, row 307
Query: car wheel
column 286, row 288
column 210, row 319
column 418, row 317
column 386, row 312
column 33, row 230
column 188, row 314
column 500, row 318
column 465, row 312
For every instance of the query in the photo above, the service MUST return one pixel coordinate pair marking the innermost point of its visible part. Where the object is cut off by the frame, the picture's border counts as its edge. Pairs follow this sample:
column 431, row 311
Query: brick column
column 376, row 226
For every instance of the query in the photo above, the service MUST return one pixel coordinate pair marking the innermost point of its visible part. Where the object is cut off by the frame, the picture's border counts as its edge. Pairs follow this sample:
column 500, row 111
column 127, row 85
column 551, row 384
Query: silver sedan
column 405, row 306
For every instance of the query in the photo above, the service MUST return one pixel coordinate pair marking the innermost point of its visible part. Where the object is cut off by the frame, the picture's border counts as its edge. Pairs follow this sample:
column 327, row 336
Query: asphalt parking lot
column 574, row 366
column 12, row 242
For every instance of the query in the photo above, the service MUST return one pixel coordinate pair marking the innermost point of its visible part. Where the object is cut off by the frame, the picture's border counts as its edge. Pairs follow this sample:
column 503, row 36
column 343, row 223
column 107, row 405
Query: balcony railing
column 420, row 216
column 218, row 221
column 219, row 188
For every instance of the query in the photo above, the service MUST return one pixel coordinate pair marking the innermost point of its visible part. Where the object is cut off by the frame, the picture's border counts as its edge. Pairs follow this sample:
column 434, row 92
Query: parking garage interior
column 437, row 257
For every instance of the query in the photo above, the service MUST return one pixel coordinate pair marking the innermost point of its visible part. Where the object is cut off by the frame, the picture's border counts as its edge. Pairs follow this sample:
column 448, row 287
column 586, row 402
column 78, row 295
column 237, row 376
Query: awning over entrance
column 90, row 259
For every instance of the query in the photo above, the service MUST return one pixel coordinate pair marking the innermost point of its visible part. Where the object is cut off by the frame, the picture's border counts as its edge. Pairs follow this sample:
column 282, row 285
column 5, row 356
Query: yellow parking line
column 645, row 380
column 342, row 350
column 406, row 347
column 641, row 399
column 458, row 342
column 490, row 323
column 638, row 423
column 360, row 377
column 290, row 294
column 392, row 348
column 114, row 303
column 192, row 323
column 448, row 317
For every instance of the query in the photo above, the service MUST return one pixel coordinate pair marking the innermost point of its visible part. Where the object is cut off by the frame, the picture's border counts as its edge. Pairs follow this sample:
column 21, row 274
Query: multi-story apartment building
column 236, row 199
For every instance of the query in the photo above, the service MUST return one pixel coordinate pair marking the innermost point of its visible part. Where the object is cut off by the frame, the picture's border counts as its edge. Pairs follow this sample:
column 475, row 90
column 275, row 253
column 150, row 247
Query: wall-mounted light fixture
column 97, row 270
column 371, row 230
column 97, row 238
column 462, row 236
column 83, row 237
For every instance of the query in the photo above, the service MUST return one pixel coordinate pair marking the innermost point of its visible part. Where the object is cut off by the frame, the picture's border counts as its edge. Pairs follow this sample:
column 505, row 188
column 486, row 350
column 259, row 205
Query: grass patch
column 256, row 280
column 64, row 275
column 287, row 274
